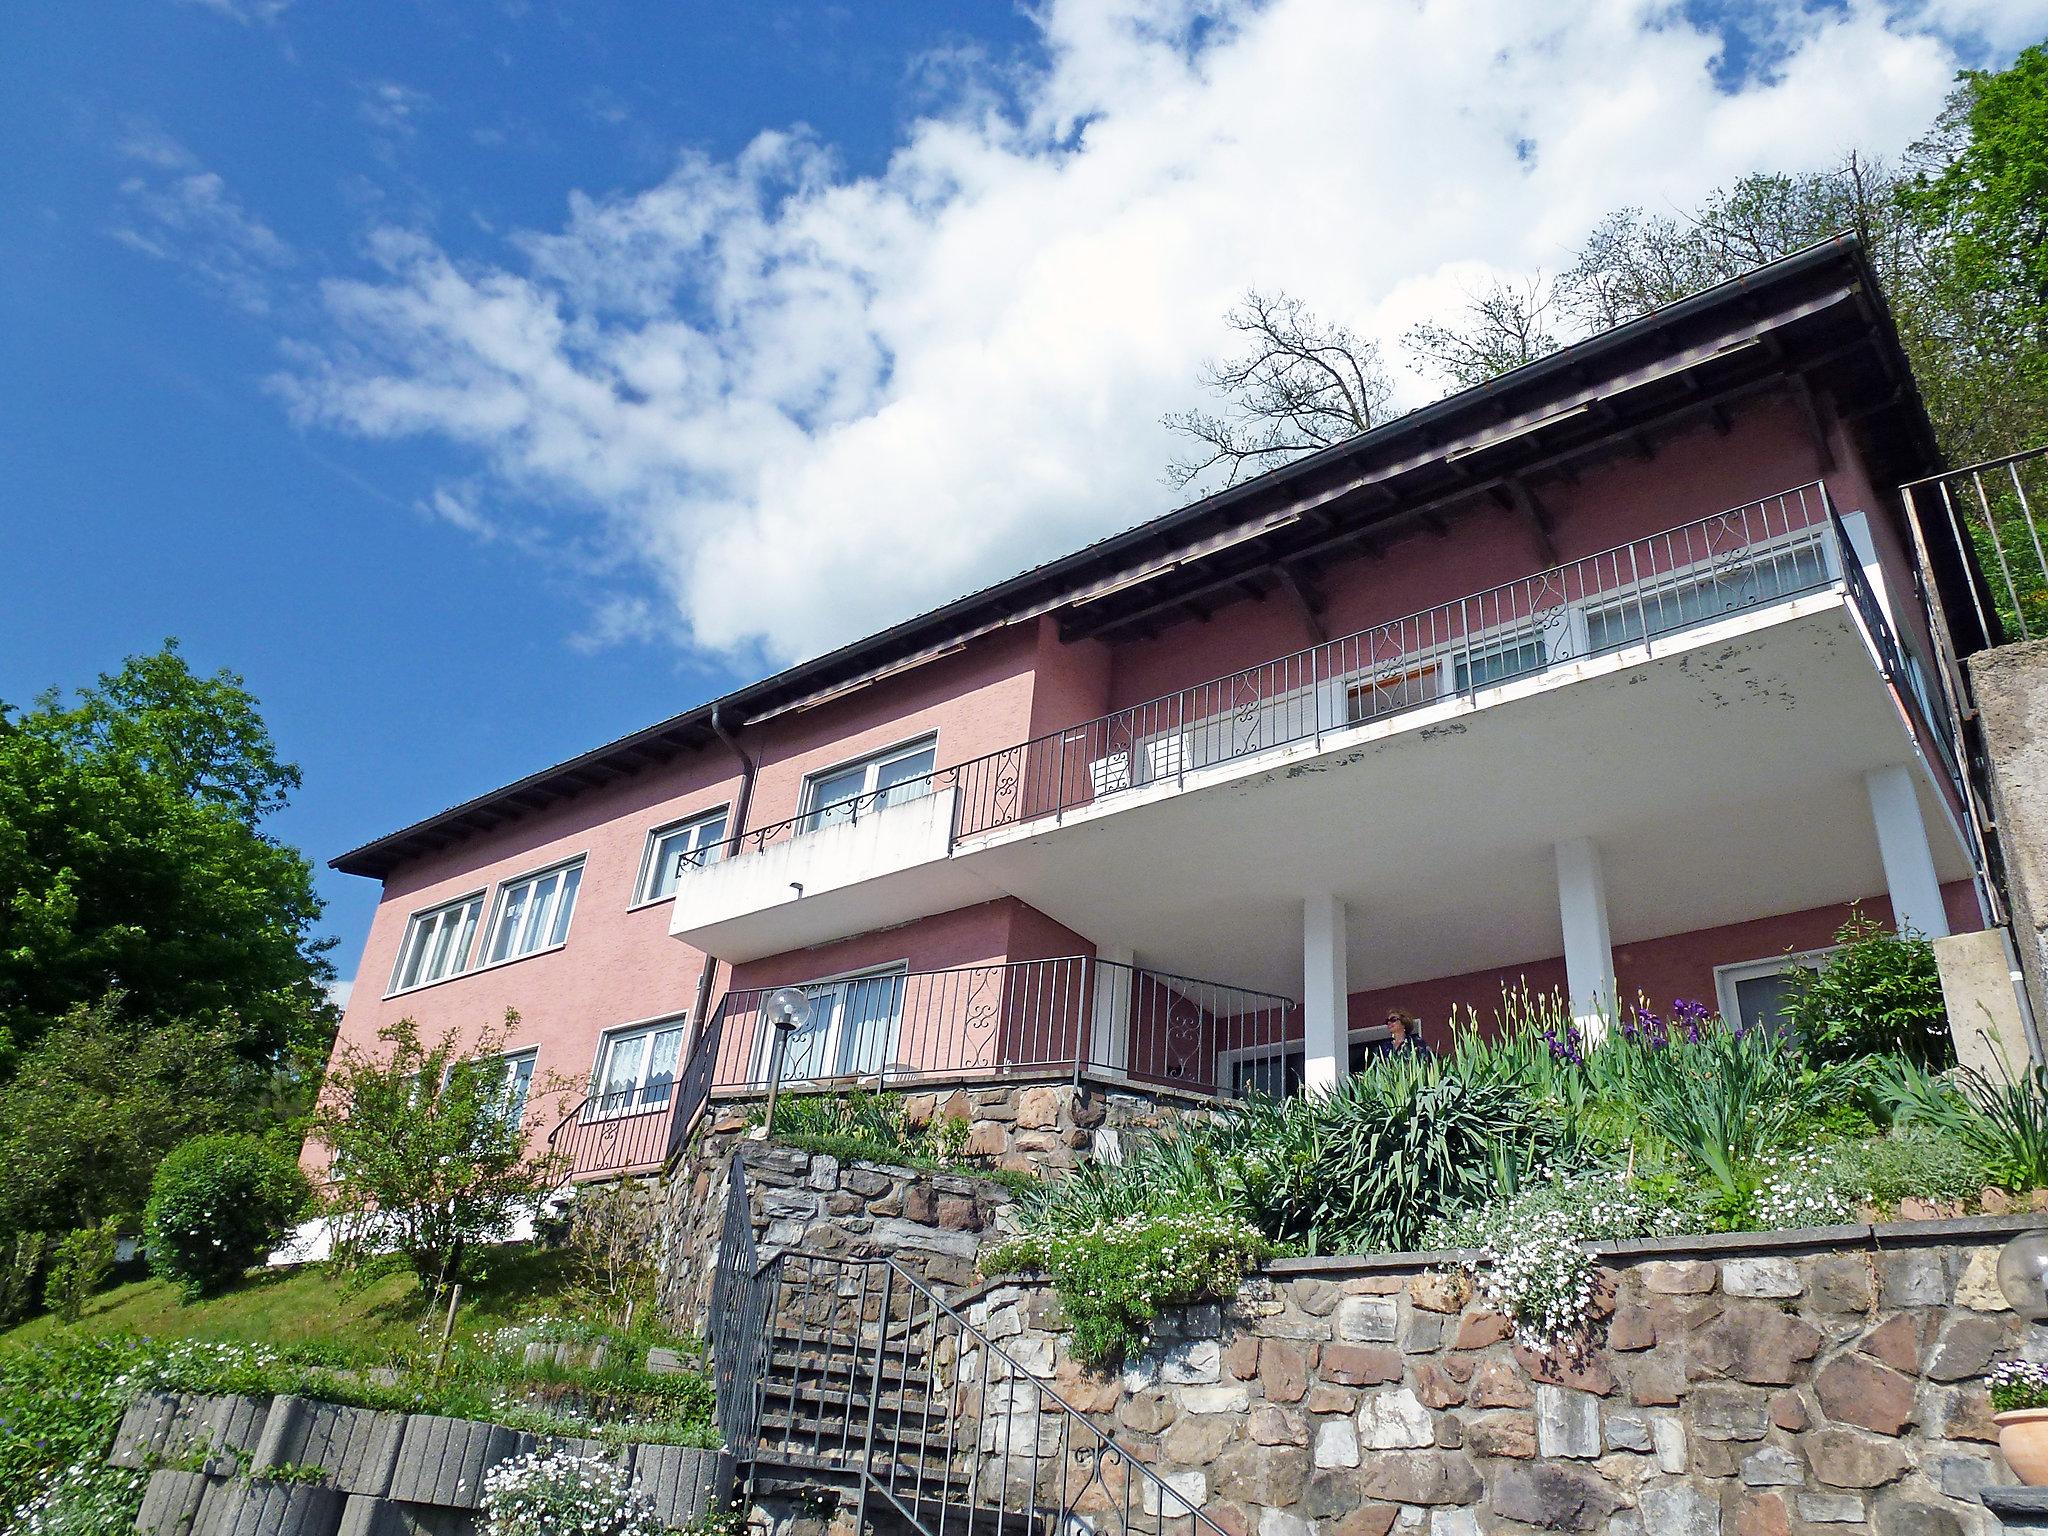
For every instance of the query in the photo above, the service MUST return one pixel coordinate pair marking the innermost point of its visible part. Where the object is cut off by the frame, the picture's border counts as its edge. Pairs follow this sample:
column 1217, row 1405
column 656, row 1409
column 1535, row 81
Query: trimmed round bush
column 218, row 1205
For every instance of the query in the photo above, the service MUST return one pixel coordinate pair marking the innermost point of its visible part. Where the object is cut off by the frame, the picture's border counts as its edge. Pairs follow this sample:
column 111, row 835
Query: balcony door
column 853, row 1029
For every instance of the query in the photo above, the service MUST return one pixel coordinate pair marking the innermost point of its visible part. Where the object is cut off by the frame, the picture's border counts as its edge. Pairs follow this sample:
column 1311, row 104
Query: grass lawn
column 309, row 1305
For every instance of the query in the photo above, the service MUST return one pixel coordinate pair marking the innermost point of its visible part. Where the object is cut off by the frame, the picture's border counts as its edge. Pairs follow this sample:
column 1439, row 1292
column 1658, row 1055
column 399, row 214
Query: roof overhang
column 1812, row 323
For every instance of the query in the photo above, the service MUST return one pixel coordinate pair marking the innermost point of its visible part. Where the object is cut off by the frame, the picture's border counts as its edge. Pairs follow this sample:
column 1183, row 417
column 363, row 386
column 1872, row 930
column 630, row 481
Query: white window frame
column 532, row 877
column 871, row 766
column 650, row 859
column 474, row 903
column 610, row 1038
column 831, row 1048
column 508, row 1062
column 1727, row 1004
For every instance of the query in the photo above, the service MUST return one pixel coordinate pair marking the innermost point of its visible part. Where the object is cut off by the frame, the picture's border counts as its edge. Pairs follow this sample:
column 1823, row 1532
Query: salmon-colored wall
column 1021, row 683
column 619, row 964
column 1678, row 966
column 1692, row 475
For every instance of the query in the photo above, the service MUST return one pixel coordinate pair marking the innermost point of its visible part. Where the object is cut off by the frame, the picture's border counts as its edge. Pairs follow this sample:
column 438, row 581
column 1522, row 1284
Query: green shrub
column 1357, row 1170
column 1115, row 1277
column 869, row 1126
column 21, row 1260
column 1912, row 1162
column 79, row 1265
column 1878, row 993
column 1730, row 1098
column 219, row 1204
column 2002, row 1122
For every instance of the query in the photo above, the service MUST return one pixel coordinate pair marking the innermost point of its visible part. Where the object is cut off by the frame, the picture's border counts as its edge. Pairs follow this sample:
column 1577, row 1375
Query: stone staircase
column 854, row 1376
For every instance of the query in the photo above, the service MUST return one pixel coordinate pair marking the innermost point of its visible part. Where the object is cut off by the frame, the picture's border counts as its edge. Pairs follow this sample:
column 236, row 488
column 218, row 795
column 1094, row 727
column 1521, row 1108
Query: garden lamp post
column 787, row 1009
column 2023, row 1274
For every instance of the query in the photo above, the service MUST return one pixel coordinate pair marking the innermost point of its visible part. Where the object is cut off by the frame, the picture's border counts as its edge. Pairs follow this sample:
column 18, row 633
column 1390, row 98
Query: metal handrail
column 1515, row 629
column 916, row 1402
column 1066, row 1016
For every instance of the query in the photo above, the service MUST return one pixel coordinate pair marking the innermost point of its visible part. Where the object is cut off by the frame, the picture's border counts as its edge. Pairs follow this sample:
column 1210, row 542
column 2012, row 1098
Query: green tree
column 1978, row 196
column 133, row 860
column 429, row 1150
column 100, row 1098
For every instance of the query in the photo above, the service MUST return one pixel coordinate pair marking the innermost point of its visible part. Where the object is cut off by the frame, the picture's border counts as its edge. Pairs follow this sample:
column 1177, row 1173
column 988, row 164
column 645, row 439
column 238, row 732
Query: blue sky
column 464, row 373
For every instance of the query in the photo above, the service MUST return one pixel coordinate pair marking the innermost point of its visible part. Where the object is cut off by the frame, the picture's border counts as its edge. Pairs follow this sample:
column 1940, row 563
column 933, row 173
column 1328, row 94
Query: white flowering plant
column 1531, row 1255
column 1809, row 1188
column 2018, row 1384
column 555, row 1493
column 1115, row 1277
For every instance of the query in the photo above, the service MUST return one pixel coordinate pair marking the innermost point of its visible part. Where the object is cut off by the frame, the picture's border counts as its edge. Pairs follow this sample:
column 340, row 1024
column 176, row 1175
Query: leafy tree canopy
column 133, row 860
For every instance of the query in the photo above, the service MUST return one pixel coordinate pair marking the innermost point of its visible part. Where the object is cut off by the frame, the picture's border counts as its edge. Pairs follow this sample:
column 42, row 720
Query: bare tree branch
column 1301, row 384
column 1507, row 324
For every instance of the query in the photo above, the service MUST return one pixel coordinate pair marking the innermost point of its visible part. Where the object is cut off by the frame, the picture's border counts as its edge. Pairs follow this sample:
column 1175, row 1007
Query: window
column 852, row 1029
column 887, row 778
column 1663, row 605
column 517, row 1069
column 1274, row 1074
column 684, row 845
column 437, row 943
column 1758, row 993
column 533, row 913
column 636, row 1068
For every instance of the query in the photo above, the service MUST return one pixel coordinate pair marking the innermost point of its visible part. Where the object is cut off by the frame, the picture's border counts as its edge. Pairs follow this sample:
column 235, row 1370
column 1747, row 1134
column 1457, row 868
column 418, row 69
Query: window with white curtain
column 437, row 943
column 533, row 912
column 636, row 1067
column 843, row 793
column 678, row 847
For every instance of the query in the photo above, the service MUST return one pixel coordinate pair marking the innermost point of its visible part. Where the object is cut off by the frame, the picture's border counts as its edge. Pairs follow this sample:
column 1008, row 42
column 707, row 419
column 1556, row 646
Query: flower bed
column 1523, row 1145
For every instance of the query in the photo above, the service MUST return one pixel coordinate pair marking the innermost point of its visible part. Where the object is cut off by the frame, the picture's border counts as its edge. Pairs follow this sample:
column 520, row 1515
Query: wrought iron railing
column 1763, row 552
column 962, row 1024
column 1998, row 511
column 859, row 1369
column 1015, row 1018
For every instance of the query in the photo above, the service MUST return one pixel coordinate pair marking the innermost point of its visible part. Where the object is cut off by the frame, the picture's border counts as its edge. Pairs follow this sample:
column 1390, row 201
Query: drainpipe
column 741, row 805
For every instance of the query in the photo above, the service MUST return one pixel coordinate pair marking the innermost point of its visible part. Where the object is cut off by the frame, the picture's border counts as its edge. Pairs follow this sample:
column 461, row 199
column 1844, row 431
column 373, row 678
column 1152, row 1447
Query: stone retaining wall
column 1793, row 1383
column 378, row 1474
column 933, row 1224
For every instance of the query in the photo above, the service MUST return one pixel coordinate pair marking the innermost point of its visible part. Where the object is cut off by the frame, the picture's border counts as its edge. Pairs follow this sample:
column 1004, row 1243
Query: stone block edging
column 386, row 1473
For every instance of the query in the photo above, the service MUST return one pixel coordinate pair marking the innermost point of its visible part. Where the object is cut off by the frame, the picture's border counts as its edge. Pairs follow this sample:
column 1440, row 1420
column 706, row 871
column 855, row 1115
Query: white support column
column 1588, row 949
column 1109, row 1039
column 1909, row 873
column 1325, row 995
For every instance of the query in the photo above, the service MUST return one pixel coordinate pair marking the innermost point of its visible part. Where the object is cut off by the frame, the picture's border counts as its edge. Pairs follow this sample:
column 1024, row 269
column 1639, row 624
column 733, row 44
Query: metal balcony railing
column 1745, row 557
column 965, row 1024
column 1998, row 511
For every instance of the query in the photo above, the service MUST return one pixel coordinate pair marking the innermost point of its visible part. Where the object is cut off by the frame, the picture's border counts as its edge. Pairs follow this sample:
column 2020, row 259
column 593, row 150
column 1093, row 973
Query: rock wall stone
column 931, row 1223
column 1732, row 1389
column 2010, row 684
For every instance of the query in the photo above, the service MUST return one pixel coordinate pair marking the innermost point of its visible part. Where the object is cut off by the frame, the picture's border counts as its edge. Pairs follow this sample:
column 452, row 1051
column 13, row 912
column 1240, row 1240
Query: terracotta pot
column 2023, row 1439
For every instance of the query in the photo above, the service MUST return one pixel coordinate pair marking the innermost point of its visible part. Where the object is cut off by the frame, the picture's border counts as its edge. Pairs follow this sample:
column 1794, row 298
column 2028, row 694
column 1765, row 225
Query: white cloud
column 174, row 209
column 247, row 12
column 340, row 989
column 800, row 404
column 391, row 108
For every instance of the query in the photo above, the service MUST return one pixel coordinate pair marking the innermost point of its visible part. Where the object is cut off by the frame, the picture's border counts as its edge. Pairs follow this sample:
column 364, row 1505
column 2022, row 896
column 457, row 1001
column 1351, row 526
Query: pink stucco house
column 1614, row 675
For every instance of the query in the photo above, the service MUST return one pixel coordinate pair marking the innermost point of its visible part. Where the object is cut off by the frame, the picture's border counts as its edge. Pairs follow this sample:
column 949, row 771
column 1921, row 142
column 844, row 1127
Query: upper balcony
column 1787, row 567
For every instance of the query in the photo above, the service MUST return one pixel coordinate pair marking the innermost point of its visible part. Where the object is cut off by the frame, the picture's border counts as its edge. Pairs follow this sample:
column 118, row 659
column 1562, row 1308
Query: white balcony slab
column 1719, row 770
column 888, row 866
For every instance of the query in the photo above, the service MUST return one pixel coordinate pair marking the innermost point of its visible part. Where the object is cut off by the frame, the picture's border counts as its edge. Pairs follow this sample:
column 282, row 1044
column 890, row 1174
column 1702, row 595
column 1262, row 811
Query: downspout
column 742, row 803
